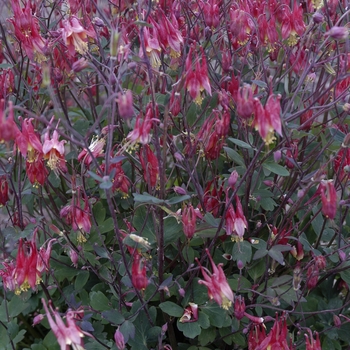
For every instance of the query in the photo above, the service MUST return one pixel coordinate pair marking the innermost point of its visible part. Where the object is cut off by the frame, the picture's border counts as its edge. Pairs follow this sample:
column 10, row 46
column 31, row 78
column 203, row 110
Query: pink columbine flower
column 69, row 334
column 8, row 276
column 189, row 219
column 236, row 223
column 216, row 282
column 329, row 199
column 26, row 272
column 125, row 104
column 197, row 78
column 141, row 133
column 8, row 128
column 96, row 150
column 268, row 120
column 27, row 31
column 53, row 150
column 311, row 343
column 43, row 262
column 139, row 278
column 190, row 314
column 150, row 166
column 75, row 36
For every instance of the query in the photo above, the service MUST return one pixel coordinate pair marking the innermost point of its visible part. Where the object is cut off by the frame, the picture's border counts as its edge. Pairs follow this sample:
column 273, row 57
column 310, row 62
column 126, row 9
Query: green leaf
column 171, row 230
column 260, row 253
column 99, row 213
column 233, row 155
column 240, row 143
column 113, row 316
column 171, row 309
column 276, row 255
column 242, row 251
column 190, row 329
column 147, row 199
column 95, row 176
column 106, row 226
column 276, row 169
column 81, row 280
column 218, row 317
column 99, row 301
column 177, row 199
column 100, row 251
column 16, row 306
column 207, row 337
column 209, row 219
column 257, row 270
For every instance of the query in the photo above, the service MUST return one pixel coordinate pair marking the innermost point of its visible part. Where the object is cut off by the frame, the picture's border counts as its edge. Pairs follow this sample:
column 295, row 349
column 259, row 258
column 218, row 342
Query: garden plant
column 174, row 174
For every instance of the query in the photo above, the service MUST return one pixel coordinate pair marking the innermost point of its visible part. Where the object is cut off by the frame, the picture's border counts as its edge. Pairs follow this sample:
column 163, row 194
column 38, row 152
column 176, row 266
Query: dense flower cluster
column 171, row 171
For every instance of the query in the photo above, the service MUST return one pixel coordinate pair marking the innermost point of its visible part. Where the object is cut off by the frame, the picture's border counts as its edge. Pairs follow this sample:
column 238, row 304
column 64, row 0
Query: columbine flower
column 75, row 36
column 8, row 276
column 150, row 167
column 169, row 35
column 95, row 148
column 31, row 148
column 142, row 128
column 125, row 104
column 54, row 152
column 267, row 120
column 256, row 336
column 245, row 101
column 197, row 78
column 216, row 282
column 236, row 223
column 75, row 215
column 329, row 198
column 277, row 338
column 190, row 314
column 4, row 190
column 43, row 262
column 69, row 334
column 152, row 47
column 189, row 219
column 311, row 343
column 27, row 31
column 8, row 128
column 26, row 273
column 139, row 278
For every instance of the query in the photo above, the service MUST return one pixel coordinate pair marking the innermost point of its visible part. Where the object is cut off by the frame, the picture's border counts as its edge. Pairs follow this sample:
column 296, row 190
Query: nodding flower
column 216, row 282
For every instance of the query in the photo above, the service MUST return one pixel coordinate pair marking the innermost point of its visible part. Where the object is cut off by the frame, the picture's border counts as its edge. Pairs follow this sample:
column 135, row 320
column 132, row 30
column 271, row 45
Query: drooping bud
column 239, row 307
column 125, row 104
column 338, row 33
column 189, row 221
column 119, row 339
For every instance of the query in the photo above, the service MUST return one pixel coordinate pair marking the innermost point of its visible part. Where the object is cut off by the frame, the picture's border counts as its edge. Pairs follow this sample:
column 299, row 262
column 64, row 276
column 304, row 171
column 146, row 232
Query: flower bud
column 318, row 17
column 125, row 104
column 239, row 307
column 342, row 255
column 37, row 319
column 232, row 180
column 240, row 264
column 277, row 156
column 79, row 65
column 180, row 190
column 119, row 339
column 338, row 33
column 336, row 321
